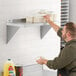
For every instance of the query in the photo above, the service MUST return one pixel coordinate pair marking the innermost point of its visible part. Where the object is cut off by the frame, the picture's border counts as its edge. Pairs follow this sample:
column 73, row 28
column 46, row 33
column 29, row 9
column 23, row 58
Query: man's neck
column 69, row 39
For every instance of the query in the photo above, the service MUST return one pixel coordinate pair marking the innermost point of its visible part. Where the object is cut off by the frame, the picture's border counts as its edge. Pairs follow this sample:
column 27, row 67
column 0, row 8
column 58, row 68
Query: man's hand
column 42, row 61
column 52, row 24
column 47, row 18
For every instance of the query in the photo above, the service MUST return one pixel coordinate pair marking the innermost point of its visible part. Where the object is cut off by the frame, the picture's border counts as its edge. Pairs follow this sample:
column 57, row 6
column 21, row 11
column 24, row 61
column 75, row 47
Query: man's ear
column 68, row 34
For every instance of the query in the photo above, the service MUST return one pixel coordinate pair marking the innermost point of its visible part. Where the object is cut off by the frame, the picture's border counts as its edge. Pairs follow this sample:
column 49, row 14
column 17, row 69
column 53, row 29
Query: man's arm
column 52, row 24
column 67, row 56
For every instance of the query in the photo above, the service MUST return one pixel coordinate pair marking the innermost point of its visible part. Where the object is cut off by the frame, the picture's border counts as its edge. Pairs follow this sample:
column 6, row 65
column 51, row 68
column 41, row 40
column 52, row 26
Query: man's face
column 64, row 33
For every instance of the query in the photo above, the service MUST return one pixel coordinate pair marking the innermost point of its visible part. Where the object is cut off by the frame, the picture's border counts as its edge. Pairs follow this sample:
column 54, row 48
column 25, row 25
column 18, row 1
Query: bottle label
column 11, row 71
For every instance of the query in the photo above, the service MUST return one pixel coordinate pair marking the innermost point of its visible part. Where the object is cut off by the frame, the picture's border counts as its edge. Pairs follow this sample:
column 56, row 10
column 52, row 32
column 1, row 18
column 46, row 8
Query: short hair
column 70, row 26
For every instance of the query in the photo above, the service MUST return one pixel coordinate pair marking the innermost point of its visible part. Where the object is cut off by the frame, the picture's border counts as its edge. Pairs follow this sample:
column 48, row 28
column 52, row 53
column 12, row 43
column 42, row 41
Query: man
column 67, row 57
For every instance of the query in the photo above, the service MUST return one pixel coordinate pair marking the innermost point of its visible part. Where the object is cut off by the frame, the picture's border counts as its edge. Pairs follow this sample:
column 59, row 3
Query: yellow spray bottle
column 9, row 68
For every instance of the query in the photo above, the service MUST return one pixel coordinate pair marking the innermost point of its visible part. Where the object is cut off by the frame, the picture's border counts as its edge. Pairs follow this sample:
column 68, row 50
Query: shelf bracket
column 43, row 30
column 11, row 30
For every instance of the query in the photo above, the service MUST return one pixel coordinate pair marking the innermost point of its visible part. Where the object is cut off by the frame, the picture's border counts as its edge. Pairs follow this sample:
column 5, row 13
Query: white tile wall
column 72, row 10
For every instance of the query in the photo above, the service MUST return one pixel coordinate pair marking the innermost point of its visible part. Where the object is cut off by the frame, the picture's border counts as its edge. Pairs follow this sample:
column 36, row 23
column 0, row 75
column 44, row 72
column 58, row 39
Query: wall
column 72, row 10
column 26, row 45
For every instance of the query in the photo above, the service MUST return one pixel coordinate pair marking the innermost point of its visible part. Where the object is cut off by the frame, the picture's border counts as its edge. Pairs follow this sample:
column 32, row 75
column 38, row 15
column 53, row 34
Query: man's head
column 69, row 31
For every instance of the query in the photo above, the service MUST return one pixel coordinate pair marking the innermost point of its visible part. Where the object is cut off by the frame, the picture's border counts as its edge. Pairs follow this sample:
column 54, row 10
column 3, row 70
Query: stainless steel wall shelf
column 12, row 28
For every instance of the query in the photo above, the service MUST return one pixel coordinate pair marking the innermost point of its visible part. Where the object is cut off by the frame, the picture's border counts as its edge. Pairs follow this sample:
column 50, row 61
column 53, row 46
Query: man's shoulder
column 70, row 48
